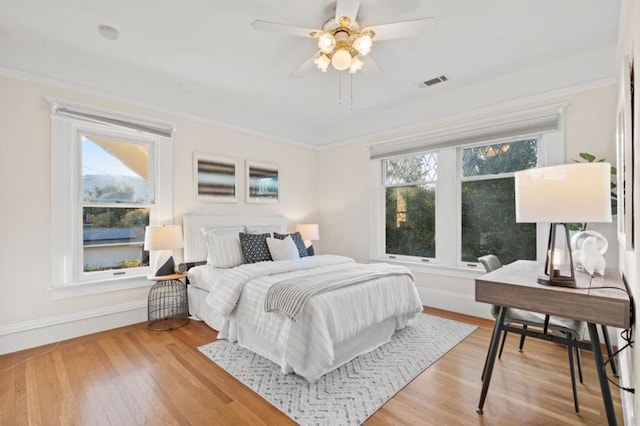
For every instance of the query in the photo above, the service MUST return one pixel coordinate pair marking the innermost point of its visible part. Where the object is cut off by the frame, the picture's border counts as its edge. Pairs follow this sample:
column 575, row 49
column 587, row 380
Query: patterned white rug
column 353, row 392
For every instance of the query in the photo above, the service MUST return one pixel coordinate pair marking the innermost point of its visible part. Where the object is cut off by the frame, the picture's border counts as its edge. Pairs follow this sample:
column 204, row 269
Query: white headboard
column 195, row 248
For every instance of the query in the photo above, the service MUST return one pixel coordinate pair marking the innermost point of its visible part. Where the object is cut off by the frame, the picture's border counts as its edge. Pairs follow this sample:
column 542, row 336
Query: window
column 410, row 184
column 488, row 220
column 448, row 198
column 106, row 188
column 116, row 203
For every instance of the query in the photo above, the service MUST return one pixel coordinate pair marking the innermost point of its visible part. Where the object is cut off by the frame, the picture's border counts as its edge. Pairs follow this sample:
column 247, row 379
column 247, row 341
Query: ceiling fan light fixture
column 326, row 42
column 341, row 59
column 363, row 44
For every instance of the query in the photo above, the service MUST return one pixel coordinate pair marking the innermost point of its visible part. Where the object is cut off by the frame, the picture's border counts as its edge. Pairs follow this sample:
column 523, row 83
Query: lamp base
column 552, row 275
column 557, row 281
column 164, row 264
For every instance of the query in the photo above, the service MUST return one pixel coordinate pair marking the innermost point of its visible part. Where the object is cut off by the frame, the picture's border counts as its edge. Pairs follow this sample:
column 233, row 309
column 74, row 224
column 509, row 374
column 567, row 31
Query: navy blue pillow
column 254, row 247
column 297, row 238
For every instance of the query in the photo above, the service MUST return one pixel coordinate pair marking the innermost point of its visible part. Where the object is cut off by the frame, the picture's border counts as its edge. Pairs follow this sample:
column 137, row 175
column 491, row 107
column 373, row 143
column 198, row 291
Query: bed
column 311, row 334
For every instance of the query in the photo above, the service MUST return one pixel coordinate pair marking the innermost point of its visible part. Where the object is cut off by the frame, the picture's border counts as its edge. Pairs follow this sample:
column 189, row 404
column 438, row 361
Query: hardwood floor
column 132, row 376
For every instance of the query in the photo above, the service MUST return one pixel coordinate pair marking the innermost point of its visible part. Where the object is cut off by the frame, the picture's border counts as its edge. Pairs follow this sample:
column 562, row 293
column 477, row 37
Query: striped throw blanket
column 290, row 296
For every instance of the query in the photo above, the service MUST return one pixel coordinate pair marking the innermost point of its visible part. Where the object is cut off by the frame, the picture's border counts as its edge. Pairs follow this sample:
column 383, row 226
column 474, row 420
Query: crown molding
column 497, row 108
column 39, row 79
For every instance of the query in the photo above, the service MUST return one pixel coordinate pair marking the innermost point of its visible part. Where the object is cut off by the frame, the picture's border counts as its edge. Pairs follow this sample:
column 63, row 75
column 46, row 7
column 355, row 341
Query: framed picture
column 262, row 183
column 214, row 178
column 624, row 151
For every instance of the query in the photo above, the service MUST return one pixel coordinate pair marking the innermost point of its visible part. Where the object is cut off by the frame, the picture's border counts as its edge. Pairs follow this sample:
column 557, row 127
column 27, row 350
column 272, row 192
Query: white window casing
column 66, row 201
column 545, row 124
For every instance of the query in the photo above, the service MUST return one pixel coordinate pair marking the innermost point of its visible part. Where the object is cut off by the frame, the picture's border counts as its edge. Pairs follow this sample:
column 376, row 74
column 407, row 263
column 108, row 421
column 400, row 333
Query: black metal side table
column 168, row 306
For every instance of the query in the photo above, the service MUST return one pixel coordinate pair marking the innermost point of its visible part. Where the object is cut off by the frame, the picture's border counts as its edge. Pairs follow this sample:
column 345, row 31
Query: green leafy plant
column 589, row 158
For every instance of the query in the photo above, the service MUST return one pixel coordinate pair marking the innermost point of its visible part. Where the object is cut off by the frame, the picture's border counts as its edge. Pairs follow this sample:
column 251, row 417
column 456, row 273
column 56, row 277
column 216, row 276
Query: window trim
column 449, row 217
column 66, row 201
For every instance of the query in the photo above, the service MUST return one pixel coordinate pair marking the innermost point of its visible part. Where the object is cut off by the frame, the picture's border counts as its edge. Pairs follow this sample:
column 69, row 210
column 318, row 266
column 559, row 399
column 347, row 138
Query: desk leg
column 602, row 374
column 496, row 326
column 491, row 357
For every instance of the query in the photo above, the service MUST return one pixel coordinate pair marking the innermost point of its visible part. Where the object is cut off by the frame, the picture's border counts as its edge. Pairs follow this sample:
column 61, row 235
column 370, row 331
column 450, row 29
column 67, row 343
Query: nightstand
column 168, row 306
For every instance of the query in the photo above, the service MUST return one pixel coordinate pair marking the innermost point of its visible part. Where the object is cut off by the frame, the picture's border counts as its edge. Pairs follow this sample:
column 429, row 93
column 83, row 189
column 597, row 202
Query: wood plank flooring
column 133, row 376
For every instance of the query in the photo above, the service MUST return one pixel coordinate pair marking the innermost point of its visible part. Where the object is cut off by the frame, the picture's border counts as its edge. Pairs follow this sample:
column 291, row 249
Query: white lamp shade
column 309, row 231
column 165, row 237
column 564, row 194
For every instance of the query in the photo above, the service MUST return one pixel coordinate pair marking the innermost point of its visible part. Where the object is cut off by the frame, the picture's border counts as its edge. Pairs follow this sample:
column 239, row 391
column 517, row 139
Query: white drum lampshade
column 563, row 194
column 163, row 239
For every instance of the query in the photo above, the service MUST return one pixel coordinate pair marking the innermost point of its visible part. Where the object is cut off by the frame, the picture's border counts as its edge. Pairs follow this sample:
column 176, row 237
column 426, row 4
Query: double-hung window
column 111, row 177
column 448, row 198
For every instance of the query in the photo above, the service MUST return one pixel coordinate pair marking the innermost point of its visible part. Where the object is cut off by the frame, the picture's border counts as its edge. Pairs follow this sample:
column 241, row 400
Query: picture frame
column 625, row 157
column 214, row 178
column 262, row 183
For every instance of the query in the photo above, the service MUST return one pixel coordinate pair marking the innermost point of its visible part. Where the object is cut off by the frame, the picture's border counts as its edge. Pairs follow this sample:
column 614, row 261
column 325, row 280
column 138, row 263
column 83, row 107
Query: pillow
column 297, row 239
column 223, row 247
column 263, row 229
column 282, row 249
column 254, row 247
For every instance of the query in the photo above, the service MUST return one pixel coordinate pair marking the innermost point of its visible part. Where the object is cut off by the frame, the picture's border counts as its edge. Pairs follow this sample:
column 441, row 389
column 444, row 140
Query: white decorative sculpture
column 589, row 249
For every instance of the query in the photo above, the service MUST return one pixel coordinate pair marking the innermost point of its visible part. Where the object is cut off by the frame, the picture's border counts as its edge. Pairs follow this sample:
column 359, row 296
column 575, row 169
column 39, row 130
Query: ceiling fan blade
column 303, row 69
column 371, row 69
column 276, row 27
column 348, row 8
column 401, row 29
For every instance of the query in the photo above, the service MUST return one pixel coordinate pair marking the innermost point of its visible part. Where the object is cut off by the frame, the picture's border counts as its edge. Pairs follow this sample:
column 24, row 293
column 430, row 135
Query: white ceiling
column 202, row 57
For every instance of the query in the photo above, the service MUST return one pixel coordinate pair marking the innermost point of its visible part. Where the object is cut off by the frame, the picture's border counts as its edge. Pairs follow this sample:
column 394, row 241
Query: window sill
column 434, row 268
column 97, row 287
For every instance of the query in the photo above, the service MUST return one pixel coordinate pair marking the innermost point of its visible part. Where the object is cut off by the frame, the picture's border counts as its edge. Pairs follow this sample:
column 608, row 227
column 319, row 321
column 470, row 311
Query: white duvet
column 306, row 346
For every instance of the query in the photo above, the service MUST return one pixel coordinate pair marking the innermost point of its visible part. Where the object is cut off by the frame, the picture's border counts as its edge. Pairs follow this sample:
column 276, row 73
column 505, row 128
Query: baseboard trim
column 452, row 302
column 627, row 399
column 29, row 334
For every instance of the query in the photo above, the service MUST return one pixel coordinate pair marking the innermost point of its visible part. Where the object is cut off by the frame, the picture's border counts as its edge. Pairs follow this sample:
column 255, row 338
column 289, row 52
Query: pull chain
column 351, row 92
column 339, row 87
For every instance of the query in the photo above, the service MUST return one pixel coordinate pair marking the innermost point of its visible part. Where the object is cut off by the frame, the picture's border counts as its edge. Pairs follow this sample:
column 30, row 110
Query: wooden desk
column 515, row 286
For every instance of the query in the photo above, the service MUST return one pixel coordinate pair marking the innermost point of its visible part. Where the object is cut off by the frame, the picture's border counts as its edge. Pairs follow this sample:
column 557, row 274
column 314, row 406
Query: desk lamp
column 164, row 239
column 310, row 232
column 561, row 195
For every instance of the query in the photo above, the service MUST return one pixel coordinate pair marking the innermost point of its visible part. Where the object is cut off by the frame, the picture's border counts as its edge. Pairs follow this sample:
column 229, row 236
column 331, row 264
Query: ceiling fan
column 342, row 42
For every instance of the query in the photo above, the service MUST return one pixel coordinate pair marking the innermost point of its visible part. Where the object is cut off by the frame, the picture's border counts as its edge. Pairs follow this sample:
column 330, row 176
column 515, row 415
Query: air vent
column 434, row 81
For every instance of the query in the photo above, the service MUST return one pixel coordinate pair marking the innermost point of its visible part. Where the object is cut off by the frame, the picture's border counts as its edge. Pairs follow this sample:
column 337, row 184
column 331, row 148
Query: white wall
column 629, row 260
column 345, row 189
column 26, row 303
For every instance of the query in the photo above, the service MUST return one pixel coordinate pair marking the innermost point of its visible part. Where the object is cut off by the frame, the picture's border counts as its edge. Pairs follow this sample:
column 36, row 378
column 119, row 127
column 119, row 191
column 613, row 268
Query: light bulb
column 341, row 59
column 363, row 44
column 356, row 65
column 326, row 43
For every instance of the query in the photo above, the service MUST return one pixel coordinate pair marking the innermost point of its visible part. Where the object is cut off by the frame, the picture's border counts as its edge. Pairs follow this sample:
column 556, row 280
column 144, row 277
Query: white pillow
column 283, row 249
column 223, row 247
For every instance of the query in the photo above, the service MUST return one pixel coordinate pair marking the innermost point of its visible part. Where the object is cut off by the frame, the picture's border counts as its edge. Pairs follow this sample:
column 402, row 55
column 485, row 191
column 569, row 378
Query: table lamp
column 164, row 239
column 310, row 232
column 561, row 195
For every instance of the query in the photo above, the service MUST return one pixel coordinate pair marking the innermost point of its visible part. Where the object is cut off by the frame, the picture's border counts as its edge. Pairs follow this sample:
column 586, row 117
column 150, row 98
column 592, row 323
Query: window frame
column 433, row 182
column 551, row 147
column 68, row 277
column 80, row 204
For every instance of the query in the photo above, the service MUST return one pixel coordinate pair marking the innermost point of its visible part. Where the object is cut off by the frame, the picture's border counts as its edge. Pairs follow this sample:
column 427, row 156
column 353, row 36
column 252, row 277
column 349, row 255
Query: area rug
column 353, row 392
